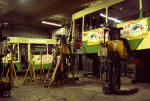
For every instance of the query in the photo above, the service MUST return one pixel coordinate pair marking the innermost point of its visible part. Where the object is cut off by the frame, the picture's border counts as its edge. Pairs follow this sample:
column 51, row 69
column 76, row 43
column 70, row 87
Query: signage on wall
column 134, row 29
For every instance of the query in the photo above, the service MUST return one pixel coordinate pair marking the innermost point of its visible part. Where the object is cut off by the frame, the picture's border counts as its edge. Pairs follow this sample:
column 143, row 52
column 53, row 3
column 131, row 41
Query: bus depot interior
column 82, row 50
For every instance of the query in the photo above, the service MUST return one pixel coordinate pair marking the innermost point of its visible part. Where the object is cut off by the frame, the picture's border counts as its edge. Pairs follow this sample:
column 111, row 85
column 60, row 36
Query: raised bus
column 128, row 14
column 132, row 15
column 22, row 47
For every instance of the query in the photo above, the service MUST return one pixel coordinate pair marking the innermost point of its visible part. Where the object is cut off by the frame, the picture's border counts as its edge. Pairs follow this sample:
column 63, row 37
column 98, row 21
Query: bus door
column 23, row 56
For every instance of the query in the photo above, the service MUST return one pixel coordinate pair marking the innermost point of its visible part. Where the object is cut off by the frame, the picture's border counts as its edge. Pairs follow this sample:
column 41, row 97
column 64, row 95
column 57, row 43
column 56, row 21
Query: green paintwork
column 37, row 66
column 134, row 43
column 17, row 64
column 94, row 48
column 141, row 14
column 89, row 48
column 148, row 23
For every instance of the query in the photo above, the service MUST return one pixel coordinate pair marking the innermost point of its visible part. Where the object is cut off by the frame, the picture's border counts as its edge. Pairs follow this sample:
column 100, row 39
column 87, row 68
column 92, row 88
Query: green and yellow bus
column 88, row 31
column 132, row 15
column 22, row 47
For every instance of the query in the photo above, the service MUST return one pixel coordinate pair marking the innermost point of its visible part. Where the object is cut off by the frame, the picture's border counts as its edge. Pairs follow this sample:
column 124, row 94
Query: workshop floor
column 86, row 89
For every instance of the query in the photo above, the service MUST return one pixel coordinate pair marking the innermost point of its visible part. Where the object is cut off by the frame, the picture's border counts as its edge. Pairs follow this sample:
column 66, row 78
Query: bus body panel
column 138, row 42
column 19, row 41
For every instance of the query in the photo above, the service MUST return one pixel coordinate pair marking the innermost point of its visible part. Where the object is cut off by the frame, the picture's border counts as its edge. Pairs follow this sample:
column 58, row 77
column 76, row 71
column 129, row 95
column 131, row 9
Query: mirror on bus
column 94, row 20
column 122, row 12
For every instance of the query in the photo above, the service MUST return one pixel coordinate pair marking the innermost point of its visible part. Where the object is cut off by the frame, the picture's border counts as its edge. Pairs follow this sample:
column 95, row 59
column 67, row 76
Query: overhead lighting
column 94, row 3
column 5, row 23
column 102, row 25
column 22, row 1
column 51, row 23
column 111, row 18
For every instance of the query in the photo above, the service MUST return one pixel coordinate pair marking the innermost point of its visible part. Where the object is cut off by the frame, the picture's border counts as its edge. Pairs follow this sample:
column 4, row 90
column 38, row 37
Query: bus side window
column 15, row 52
column 78, row 27
column 13, row 48
column 94, row 20
column 39, row 48
column 146, row 8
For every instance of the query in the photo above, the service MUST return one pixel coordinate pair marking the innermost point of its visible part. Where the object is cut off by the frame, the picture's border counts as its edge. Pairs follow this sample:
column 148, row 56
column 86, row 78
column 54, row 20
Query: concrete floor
column 86, row 89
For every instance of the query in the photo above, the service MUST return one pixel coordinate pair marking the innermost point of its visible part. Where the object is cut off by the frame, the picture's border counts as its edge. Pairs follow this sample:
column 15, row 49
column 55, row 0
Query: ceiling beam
column 22, row 21
column 9, row 7
column 65, row 7
column 12, row 19
column 3, row 1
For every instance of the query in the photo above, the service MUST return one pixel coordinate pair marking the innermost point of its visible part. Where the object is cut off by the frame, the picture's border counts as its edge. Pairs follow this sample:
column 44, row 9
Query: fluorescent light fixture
column 5, row 23
column 51, row 23
column 22, row 1
column 93, row 3
column 102, row 25
column 111, row 18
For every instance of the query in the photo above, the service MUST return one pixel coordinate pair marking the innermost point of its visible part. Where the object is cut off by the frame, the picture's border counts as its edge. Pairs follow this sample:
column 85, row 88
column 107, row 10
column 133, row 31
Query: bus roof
column 31, row 40
column 103, row 4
